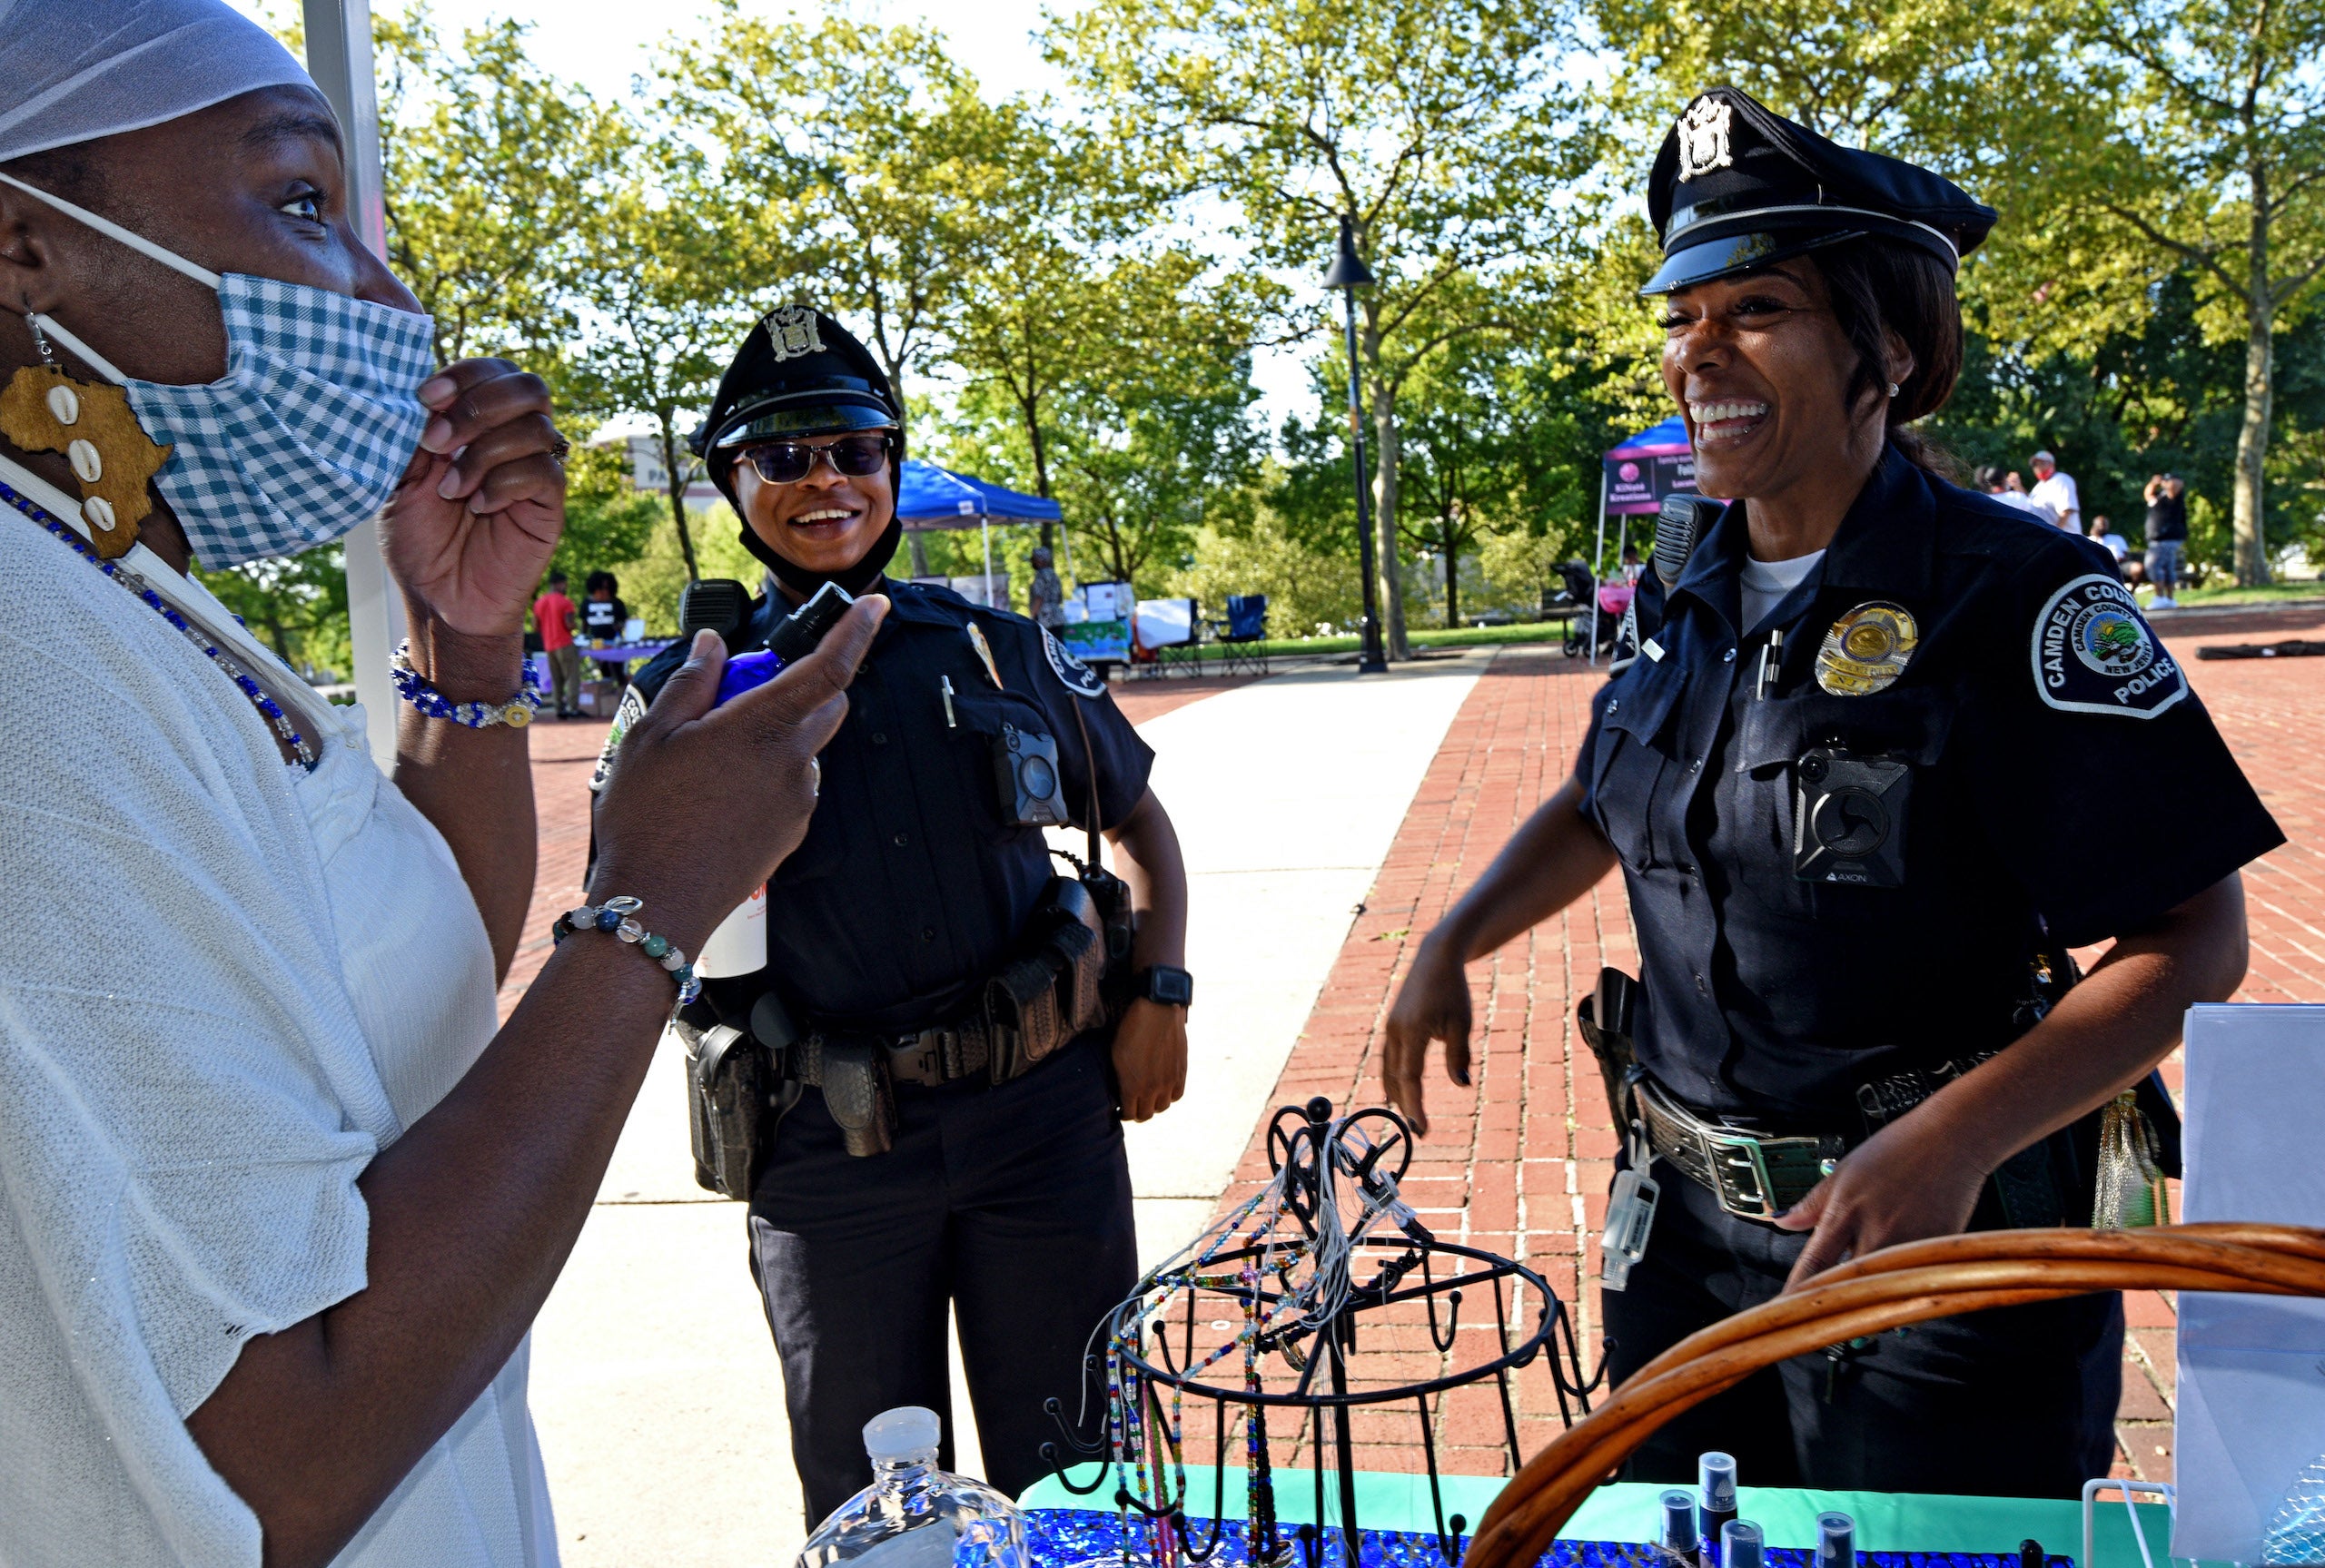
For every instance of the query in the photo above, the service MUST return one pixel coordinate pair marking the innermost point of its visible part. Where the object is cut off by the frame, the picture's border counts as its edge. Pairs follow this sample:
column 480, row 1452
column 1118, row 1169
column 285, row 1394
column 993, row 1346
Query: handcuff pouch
column 855, row 1082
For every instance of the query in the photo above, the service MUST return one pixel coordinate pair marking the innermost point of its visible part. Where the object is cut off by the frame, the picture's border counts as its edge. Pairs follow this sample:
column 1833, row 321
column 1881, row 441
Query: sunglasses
column 788, row 462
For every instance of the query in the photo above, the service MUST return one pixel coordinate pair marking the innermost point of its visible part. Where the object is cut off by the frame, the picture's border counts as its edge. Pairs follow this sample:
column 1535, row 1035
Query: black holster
column 732, row 1097
column 1615, row 1001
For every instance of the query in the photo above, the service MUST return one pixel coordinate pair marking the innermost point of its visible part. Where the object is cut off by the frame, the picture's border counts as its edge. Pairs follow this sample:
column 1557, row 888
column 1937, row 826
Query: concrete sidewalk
column 654, row 1384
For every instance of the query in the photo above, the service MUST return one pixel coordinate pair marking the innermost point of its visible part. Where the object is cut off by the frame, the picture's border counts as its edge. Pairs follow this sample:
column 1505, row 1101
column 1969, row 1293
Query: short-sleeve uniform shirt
column 2033, row 699
column 913, row 884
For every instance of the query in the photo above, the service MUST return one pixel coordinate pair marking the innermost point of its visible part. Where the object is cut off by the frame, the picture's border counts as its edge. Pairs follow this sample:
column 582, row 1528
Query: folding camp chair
column 1242, row 637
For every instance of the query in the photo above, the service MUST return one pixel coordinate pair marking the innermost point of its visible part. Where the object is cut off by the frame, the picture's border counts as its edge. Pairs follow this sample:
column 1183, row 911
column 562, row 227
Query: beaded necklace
column 271, row 710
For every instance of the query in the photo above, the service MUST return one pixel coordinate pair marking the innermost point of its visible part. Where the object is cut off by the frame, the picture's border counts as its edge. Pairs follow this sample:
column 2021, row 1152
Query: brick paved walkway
column 1519, row 1164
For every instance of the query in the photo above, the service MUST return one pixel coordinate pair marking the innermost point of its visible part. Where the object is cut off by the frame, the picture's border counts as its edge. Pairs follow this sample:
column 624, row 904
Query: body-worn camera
column 1024, row 769
column 1849, row 817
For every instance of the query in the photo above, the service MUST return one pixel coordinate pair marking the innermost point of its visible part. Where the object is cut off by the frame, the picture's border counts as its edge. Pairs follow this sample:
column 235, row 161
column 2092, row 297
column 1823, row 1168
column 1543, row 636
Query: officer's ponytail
column 1877, row 287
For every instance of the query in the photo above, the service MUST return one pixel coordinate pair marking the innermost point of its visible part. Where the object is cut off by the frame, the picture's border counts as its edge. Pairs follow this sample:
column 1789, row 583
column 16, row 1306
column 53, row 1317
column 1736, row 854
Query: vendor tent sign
column 1653, row 464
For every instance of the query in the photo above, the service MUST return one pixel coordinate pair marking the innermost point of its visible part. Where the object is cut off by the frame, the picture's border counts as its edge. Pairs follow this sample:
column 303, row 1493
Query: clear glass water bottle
column 915, row 1516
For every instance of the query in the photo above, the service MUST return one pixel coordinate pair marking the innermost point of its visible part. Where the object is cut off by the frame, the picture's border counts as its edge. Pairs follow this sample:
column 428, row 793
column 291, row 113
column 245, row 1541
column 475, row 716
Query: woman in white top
column 277, row 1203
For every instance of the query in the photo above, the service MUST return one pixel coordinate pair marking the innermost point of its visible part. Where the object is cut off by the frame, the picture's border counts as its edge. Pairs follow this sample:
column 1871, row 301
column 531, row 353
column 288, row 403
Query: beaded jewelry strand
column 269, row 709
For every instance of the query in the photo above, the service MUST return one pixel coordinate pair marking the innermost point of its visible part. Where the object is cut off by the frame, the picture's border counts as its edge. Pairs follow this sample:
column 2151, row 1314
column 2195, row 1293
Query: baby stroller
column 1613, row 597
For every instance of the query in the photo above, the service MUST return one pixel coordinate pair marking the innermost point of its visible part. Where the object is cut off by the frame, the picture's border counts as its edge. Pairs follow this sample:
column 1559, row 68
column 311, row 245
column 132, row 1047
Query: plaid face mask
column 310, row 430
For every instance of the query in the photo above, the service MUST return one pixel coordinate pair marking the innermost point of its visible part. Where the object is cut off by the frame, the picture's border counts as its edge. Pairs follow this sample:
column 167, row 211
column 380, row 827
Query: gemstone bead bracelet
column 617, row 915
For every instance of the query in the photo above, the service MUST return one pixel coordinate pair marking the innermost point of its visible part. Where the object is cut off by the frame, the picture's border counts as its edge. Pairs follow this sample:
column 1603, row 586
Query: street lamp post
column 1348, row 275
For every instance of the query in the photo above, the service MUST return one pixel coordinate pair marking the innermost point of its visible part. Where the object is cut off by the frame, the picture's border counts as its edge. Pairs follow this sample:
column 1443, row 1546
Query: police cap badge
column 1738, row 187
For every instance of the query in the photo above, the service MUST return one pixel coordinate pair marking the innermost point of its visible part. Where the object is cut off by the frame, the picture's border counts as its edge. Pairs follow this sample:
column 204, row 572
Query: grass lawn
column 2230, row 594
column 1458, row 638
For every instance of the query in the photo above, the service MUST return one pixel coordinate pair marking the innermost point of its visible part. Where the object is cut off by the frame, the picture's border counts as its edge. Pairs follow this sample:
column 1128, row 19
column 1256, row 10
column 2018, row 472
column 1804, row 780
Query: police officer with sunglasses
column 947, row 1031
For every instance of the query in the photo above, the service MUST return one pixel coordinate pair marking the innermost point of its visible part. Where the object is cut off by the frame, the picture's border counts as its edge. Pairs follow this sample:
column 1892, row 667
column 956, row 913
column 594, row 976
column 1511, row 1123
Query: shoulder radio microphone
column 1680, row 525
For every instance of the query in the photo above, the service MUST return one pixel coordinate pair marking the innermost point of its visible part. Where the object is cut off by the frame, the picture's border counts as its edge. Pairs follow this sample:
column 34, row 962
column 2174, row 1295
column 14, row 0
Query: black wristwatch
column 1170, row 987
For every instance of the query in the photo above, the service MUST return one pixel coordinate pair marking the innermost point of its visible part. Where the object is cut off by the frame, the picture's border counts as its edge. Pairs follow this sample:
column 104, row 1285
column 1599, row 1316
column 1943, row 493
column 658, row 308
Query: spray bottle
column 738, row 946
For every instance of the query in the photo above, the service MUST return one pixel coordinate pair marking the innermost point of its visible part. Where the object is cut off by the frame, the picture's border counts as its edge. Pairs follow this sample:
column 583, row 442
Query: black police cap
column 1738, row 187
column 799, row 373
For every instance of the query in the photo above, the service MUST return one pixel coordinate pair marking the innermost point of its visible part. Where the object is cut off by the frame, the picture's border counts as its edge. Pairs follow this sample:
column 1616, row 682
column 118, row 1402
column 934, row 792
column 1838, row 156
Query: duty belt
column 927, row 1057
column 1754, row 1175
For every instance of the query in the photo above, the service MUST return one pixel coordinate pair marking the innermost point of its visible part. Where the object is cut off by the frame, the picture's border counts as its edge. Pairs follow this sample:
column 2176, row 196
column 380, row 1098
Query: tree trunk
column 2252, row 440
column 1453, row 575
column 1030, row 412
column 1388, row 448
column 674, row 474
column 919, row 552
column 2253, row 452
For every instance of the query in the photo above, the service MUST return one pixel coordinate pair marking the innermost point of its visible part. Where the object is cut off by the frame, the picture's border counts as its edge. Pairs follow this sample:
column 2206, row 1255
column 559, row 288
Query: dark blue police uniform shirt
column 1769, row 999
column 911, row 886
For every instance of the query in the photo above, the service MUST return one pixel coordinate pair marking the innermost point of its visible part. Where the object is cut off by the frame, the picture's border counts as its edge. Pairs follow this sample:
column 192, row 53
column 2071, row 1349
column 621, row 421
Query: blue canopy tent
column 928, row 497
column 1633, row 479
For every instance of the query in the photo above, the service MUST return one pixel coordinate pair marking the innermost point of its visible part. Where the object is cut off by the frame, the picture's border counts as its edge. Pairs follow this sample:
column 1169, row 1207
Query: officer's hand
column 706, row 802
column 1905, row 1183
column 1150, row 1059
column 1432, row 1004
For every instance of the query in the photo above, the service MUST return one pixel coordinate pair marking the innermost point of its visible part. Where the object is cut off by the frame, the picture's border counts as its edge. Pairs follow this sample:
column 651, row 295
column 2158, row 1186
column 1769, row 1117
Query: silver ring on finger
column 816, row 778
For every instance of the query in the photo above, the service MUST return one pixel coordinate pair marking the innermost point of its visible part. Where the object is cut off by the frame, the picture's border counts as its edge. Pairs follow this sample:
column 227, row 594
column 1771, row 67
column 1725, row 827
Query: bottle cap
column 1836, row 1541
column 908, row 1431
column 1716, row 1480
column 1677, row 1532
column 1741, row 1544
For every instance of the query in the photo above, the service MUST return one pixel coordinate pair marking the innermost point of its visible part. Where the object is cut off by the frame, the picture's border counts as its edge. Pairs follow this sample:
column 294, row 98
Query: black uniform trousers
column 1012, row 1203
column 2016, row 1402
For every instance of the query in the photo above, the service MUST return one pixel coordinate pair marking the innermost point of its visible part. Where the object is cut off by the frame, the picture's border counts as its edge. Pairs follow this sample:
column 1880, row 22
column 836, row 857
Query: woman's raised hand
column 706, row 802
column 470, row 532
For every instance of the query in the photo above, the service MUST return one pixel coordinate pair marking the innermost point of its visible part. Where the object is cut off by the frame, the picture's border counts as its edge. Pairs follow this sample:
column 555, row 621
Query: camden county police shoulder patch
column 1079, row 678
column 2092, row 653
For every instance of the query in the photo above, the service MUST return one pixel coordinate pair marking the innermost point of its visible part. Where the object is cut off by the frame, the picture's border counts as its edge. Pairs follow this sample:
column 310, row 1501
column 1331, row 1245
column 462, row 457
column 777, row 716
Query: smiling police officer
column 948, row 1041
column 1854, row 784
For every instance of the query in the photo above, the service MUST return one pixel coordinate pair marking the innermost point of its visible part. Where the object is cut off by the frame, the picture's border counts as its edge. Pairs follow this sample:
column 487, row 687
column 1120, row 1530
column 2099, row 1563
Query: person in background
column 2054, row 488
column 554, row 617
column 1045, row 597
column 2005, row 487
column 2103, row 532
column 2167, row 537
column 603, row 616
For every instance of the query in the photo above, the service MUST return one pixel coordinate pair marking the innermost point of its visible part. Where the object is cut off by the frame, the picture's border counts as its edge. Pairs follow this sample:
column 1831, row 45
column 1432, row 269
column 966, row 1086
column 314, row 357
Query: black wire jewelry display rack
column 1264, row 1313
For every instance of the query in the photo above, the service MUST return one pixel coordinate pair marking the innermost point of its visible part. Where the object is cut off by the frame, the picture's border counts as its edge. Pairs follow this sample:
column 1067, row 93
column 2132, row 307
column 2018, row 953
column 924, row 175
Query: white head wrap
column 74, row 70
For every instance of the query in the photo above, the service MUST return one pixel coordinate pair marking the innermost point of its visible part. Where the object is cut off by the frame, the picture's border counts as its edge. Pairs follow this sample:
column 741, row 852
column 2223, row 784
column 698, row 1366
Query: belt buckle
column 1723, row 1149
column 917, row 1058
